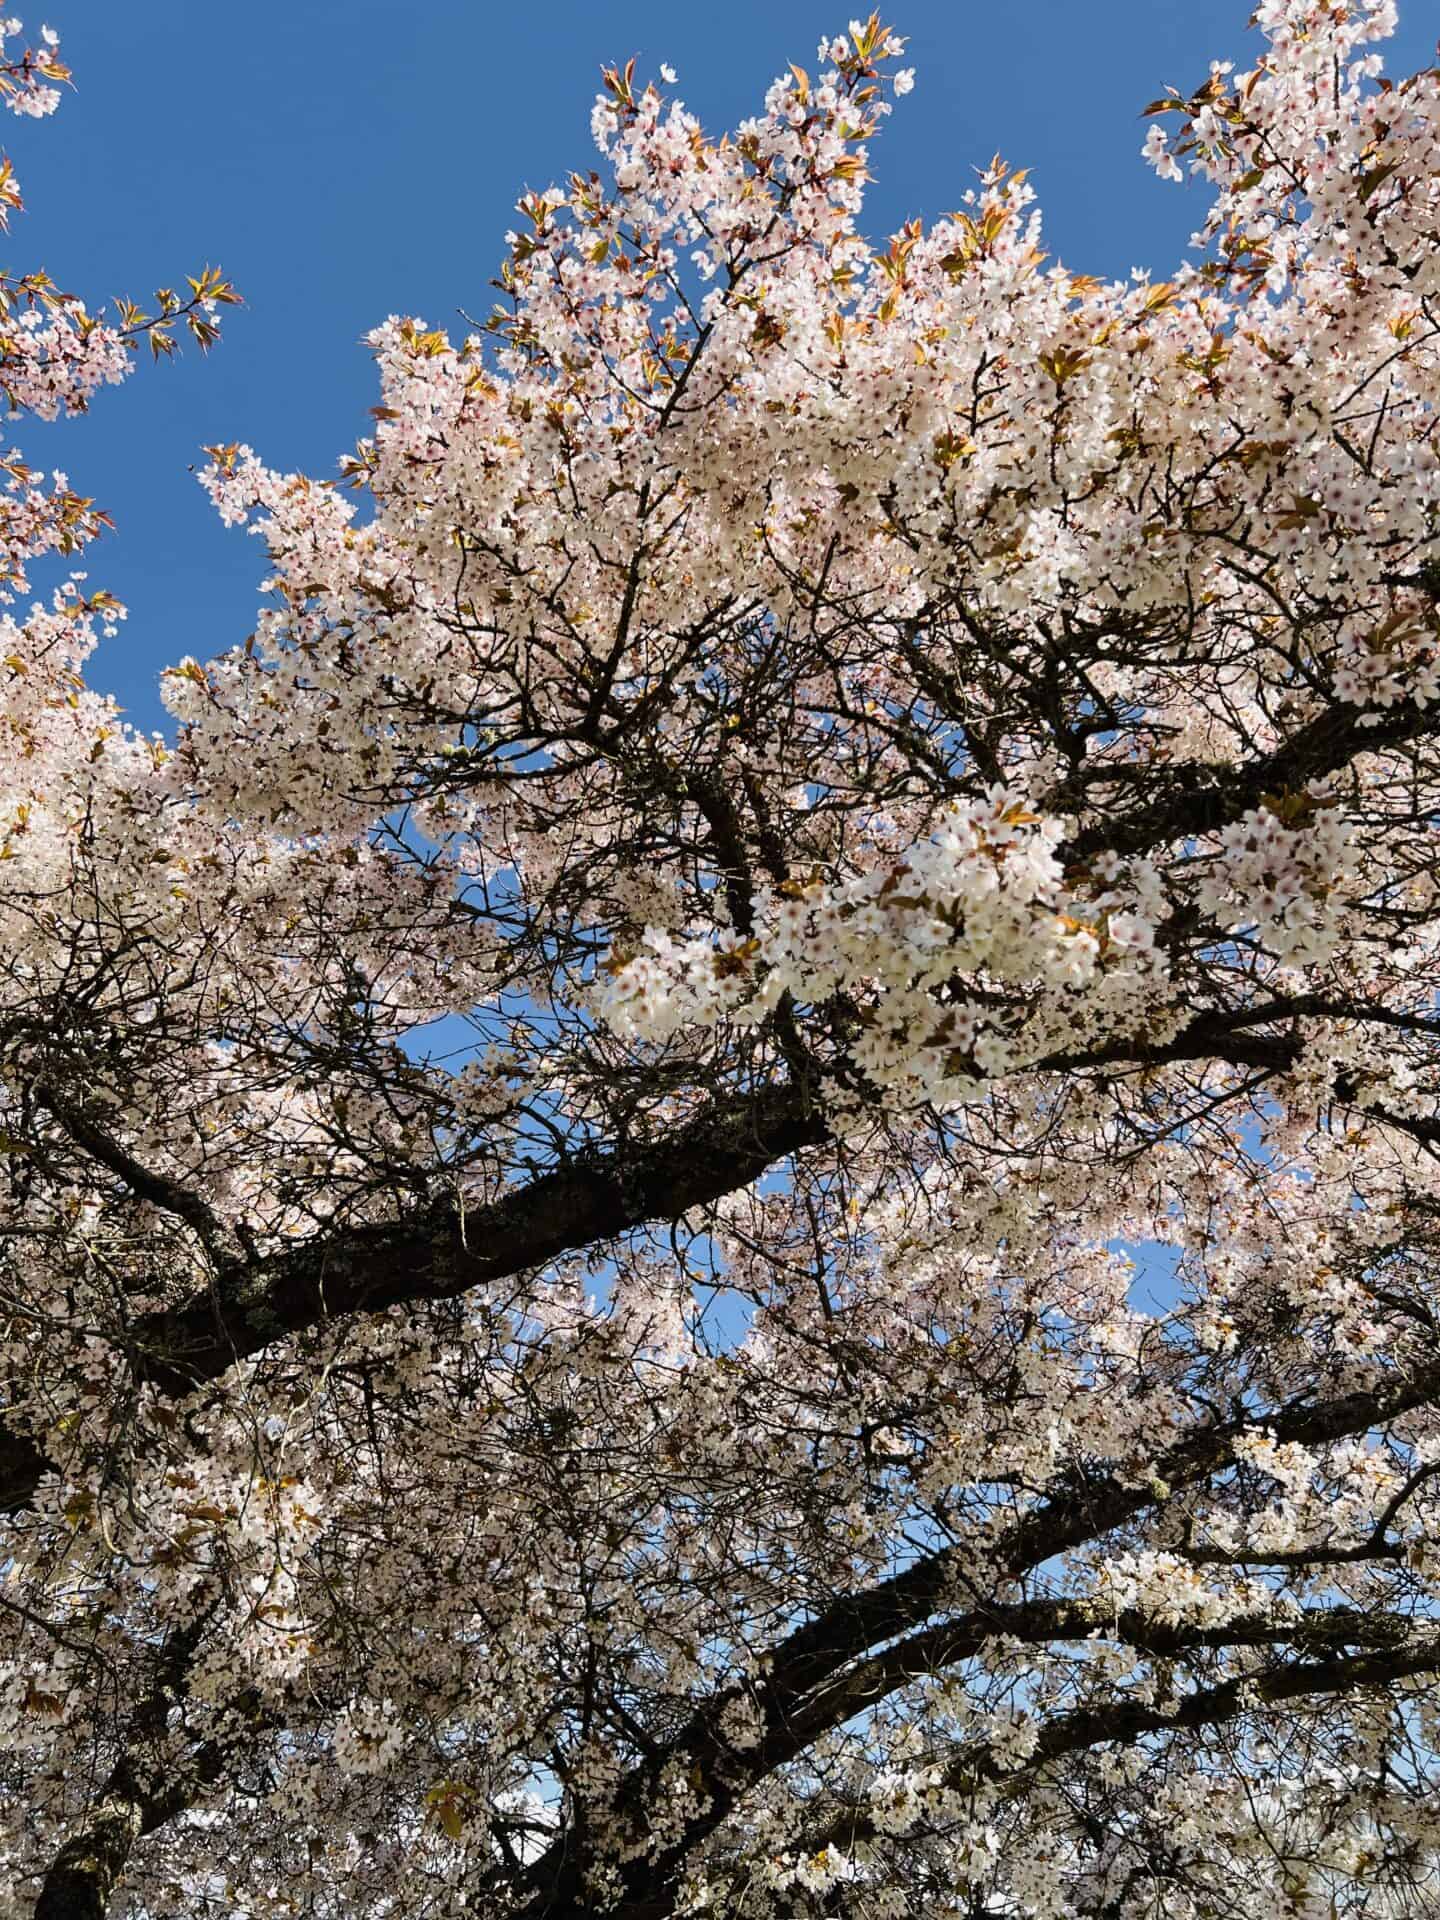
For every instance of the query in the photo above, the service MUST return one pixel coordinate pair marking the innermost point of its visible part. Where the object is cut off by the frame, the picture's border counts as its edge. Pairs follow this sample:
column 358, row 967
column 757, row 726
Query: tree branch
column 1205, row 798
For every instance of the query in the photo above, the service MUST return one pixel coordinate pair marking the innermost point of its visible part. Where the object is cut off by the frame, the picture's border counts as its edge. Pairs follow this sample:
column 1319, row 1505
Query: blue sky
column 346, row 159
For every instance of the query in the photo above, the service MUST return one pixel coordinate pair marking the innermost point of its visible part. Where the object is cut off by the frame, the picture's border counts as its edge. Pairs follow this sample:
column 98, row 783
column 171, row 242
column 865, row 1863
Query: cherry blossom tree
column 893, row 1369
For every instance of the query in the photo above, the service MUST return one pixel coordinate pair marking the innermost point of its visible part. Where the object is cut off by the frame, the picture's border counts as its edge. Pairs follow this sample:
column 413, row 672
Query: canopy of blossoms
column 918, row 771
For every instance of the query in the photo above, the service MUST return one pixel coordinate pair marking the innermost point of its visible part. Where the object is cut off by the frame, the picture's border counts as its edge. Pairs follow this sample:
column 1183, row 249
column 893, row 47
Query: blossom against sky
column 347, row 159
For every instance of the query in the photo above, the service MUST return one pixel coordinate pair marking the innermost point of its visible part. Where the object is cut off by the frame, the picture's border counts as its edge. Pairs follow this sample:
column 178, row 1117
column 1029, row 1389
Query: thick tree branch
column 586, row 1201
column 582, row 1203
column 1052, row 1622
column 1203, row 799
column 22, row 1467
column 88, row 1868
column 1130, row 1720
column 146, row 1788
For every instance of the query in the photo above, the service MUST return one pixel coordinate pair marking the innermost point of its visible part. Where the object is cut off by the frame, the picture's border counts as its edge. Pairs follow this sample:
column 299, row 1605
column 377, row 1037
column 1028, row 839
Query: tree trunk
column 88, row 1867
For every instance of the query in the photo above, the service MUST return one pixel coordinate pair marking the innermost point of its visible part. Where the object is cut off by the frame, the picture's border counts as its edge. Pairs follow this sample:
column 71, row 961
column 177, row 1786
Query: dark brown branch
column 1203, row 799
column 1056, row 1621
column 1129, row 1721
column 22, row 1466
column 88, row 1867
column 584, row 1202
column 161, row 1191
